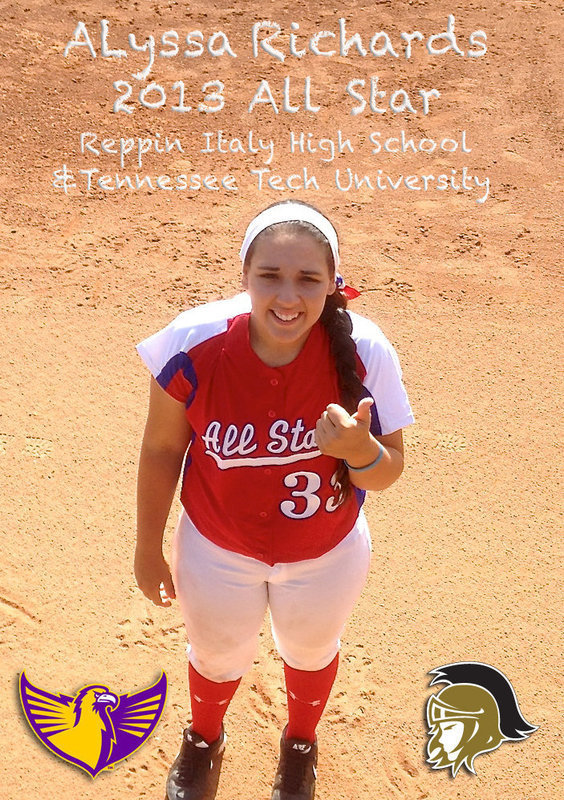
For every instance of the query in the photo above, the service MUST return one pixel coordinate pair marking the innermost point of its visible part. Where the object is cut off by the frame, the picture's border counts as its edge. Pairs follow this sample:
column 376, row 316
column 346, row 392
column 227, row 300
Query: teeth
column 286, row 317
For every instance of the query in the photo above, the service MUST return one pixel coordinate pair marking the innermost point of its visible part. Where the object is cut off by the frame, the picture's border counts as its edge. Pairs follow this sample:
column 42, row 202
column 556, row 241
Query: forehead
column 286, row 247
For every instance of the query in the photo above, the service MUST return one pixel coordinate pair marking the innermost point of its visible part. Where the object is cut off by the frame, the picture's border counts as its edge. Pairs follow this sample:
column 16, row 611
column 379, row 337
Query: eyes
column 274, row 276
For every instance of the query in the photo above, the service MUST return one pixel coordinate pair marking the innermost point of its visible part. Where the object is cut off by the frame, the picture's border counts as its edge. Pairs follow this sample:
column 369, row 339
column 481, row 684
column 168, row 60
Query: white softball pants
column 223, row 597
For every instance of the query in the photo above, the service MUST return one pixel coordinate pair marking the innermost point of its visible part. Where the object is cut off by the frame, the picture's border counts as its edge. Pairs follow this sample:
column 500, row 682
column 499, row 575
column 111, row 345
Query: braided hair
column 338, row 326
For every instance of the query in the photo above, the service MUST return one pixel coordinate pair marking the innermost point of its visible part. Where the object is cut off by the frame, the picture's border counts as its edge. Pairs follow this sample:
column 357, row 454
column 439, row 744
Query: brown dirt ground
column 466, row 547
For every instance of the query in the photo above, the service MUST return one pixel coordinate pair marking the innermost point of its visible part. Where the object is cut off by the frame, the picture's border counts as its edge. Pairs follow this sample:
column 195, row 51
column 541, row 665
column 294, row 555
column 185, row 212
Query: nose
column 287, row 294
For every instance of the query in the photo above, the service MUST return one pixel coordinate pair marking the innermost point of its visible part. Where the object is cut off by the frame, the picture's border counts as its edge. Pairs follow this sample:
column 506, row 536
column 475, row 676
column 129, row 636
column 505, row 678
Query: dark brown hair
column 338, row 326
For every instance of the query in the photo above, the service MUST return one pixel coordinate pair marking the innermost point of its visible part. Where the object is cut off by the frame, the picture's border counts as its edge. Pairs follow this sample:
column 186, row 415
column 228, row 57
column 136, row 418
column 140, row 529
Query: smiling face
column 288, row 279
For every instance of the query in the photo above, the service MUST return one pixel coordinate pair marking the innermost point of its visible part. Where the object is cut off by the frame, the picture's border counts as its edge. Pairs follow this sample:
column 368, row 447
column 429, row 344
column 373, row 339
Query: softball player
column 285, row 408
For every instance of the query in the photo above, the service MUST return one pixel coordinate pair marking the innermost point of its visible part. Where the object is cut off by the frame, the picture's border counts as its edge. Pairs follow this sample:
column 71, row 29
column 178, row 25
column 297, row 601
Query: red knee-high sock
column 307, row 694
column 209, row 703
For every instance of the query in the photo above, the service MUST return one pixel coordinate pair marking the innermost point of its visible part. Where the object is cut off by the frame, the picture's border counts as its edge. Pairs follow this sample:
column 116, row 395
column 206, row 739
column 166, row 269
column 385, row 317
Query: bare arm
column 388, row 469
column 166, row 438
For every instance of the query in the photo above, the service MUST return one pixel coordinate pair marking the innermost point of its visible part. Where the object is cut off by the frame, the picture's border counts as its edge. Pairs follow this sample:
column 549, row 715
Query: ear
column 245, row 279
column 332, row 286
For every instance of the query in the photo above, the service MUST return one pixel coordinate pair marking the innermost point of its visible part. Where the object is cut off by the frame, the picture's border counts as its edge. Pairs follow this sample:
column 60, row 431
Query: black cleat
column 296, row 773
column 195, row 772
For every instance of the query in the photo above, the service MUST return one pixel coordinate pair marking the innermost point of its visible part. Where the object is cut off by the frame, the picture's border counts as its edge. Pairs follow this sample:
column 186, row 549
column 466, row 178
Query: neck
column 275, row 354
column 275, row 358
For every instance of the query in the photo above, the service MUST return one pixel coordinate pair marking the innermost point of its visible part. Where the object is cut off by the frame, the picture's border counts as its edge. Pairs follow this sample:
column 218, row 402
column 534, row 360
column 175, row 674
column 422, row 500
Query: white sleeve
column 159, row 348
column 165, row 353
column 383, row 380
column 189, row 329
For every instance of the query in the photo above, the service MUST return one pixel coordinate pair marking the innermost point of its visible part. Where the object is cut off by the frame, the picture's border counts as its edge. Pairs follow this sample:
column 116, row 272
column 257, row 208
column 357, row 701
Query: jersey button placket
column 271, row 413
column 275, row 383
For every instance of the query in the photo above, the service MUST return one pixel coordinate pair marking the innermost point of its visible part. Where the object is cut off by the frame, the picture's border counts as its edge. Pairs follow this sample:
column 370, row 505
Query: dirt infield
column 460, row 271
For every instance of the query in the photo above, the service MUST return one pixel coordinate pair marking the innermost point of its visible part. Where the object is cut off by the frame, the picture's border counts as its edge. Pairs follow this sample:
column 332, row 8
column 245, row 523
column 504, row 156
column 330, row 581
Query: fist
column 343, row 435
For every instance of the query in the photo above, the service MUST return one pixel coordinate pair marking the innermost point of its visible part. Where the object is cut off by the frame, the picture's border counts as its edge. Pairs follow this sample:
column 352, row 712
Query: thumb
column 362, row 413
column 169, row 586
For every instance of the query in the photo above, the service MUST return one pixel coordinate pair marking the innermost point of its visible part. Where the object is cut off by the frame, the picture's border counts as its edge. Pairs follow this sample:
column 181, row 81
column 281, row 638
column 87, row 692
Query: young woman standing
column 285, row 408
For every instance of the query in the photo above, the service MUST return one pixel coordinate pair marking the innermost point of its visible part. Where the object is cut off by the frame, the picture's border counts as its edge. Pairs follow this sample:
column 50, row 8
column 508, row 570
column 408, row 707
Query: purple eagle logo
column 95, row 728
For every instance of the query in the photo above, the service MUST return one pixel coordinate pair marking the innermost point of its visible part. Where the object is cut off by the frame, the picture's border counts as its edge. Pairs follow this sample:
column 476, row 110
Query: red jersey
column 254, row 480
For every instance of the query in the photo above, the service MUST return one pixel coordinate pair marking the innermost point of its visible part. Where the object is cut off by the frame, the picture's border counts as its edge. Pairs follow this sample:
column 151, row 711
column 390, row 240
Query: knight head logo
column 474, row 714
column 95, row 728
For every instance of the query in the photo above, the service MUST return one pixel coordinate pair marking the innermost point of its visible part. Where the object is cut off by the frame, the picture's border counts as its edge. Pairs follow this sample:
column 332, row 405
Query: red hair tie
column 349, row 291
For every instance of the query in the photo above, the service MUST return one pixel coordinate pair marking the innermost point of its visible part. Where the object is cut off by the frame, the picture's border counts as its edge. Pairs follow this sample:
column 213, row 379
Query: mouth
column 286, row 318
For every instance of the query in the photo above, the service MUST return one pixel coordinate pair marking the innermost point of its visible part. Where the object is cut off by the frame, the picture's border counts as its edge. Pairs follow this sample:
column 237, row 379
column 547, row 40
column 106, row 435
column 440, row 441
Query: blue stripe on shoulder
column 179, row 362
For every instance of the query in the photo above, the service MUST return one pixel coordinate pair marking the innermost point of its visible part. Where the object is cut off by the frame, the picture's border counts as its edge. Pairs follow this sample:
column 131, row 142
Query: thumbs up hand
column 343, row 435
column 362, row 413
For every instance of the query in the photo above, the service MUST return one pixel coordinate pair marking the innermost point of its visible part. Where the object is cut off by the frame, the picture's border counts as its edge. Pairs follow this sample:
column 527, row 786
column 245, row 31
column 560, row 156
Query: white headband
column 290, row 212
